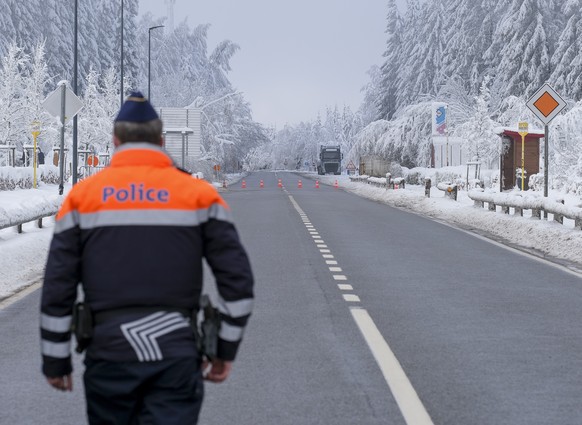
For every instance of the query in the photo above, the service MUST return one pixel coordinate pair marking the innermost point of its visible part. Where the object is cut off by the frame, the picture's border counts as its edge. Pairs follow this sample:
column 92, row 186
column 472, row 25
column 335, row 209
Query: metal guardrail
column 388, row 182
column 27, row 219
column 537, row 205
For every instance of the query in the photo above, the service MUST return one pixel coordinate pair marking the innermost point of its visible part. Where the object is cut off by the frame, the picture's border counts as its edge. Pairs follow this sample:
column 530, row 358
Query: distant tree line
column 484, row 58
column 183, row 72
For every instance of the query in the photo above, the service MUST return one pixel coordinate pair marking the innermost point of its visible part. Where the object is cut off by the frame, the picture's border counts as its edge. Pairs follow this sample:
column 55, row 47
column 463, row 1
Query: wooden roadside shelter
column 511, row 156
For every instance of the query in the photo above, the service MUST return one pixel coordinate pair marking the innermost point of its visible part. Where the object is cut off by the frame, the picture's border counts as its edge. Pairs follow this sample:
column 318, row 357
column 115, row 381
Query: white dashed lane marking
column 351, row 298
column 410, row 405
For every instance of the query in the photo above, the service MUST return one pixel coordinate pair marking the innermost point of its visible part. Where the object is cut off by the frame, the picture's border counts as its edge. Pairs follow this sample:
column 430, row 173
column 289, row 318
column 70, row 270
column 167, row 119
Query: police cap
column 136, row 108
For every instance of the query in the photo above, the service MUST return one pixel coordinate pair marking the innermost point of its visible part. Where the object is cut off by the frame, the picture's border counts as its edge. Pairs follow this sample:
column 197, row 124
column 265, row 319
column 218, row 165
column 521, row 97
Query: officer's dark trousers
column 167, row 392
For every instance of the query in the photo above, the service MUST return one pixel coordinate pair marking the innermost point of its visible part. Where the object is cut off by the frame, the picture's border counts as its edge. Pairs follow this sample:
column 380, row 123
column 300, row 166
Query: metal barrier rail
column 535, row 204
column 388, row 182
column 18, row 223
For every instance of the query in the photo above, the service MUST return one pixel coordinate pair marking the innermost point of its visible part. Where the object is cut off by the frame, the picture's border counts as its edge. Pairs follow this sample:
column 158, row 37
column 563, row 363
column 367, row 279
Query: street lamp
column 121, row 60
column 149, row 57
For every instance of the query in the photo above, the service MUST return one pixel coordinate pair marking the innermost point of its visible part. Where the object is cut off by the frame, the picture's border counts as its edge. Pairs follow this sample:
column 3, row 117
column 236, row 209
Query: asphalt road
column 364, row 314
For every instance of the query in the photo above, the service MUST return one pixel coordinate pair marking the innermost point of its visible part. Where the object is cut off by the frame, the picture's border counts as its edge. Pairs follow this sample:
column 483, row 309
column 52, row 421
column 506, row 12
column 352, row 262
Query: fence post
column 427, row 185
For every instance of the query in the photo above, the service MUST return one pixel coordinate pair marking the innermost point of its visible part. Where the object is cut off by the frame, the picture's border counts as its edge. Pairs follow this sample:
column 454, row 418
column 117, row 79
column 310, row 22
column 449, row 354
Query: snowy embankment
column 544, row 238
column 23, row 256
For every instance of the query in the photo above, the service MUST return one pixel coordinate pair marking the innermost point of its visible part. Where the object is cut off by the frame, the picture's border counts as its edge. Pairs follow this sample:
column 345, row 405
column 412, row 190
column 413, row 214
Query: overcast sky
column 297, row 56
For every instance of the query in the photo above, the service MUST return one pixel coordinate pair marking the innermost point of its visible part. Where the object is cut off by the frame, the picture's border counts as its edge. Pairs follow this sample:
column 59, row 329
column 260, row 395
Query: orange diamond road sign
column 546, row 104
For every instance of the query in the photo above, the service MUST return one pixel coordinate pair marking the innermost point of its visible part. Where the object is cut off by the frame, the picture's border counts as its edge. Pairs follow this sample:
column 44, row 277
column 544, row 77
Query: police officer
column 134, row 236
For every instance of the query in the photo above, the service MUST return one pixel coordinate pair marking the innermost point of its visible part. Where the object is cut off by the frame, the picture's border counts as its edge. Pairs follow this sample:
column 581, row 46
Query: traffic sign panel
column 546, row 104
column 72, row 103
column 92, row 160
column 351, row 166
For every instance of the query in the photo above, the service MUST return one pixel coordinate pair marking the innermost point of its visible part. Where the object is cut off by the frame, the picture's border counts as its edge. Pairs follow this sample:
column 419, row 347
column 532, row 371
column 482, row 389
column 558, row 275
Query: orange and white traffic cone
column 317, row 184
column 336, row 184
column 262, row 184
column 224, row 184
column 299, row 184
column 280, row 183
column 244, row 184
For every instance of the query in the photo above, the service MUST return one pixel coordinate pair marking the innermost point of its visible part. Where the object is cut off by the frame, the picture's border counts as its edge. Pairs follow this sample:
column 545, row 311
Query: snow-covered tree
column 12, row 84
column 386, row 102
column 478, row 133
column 567, row 59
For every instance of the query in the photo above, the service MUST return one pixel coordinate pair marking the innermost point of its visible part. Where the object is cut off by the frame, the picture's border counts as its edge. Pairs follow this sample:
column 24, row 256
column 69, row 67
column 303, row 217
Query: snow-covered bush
column 12, row 178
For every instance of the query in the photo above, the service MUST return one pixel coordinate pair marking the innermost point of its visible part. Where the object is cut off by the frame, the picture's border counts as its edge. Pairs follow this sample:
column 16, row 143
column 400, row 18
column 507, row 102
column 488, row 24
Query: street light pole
column 75, row 76
column 121, row 94
column 149, row 58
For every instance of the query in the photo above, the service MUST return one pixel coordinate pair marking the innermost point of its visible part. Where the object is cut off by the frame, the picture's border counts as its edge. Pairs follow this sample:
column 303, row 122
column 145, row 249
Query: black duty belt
column 107, row 315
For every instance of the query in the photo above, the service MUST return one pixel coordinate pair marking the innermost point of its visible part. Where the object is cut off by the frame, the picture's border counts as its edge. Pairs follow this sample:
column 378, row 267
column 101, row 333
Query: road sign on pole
column 546, row 104
column 73, row 104
column 65, row 104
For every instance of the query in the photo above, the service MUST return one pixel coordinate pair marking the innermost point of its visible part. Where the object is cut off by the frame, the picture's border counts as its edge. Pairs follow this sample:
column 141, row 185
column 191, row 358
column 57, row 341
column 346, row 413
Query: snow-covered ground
column 22, row 256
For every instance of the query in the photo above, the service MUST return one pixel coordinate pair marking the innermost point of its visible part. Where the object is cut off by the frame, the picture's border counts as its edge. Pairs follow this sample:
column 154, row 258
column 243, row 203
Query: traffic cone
column 317, row 184
column 280, row 183
column 299, row 184
column 336, row 184
column 224, row 184
column 244, row 184
column 262, row 184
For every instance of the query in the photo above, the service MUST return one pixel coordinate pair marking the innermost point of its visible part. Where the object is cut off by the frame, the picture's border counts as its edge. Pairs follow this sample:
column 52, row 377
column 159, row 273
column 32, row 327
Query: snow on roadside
column 544, row 238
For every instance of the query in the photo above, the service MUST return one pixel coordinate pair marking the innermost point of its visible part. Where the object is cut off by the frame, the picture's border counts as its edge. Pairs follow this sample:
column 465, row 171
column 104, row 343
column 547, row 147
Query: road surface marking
column 351, row 298
column 318, row 241
column 339, row 277
column 327, row 251
column 20, row 294
column 330, row 262
column 345, row 287
column 327, row 256
column 322, row 246
column 335, row 269
column 411, row 407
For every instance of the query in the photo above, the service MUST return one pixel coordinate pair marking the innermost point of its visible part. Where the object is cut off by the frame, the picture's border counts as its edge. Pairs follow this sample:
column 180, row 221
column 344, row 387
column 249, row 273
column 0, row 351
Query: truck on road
column 330, row 160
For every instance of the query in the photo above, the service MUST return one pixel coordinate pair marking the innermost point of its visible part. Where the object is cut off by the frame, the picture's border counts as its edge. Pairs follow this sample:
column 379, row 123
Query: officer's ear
column 162, row 141
column 116, row 142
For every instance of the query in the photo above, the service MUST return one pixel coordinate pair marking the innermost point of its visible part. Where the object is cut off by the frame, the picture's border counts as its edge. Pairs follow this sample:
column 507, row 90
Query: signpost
column 65, row 104
column 351, row 167
column 546, row 104
column 523, row 130
column 35, row 126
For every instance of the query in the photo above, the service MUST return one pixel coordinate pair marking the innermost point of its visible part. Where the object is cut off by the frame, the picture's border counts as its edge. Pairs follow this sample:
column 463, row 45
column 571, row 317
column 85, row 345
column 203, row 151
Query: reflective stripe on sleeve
column 66, row 222
column 55, row 324
column 219, row 212
column 230, row 333
column 236, row 309
column 60, row 350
